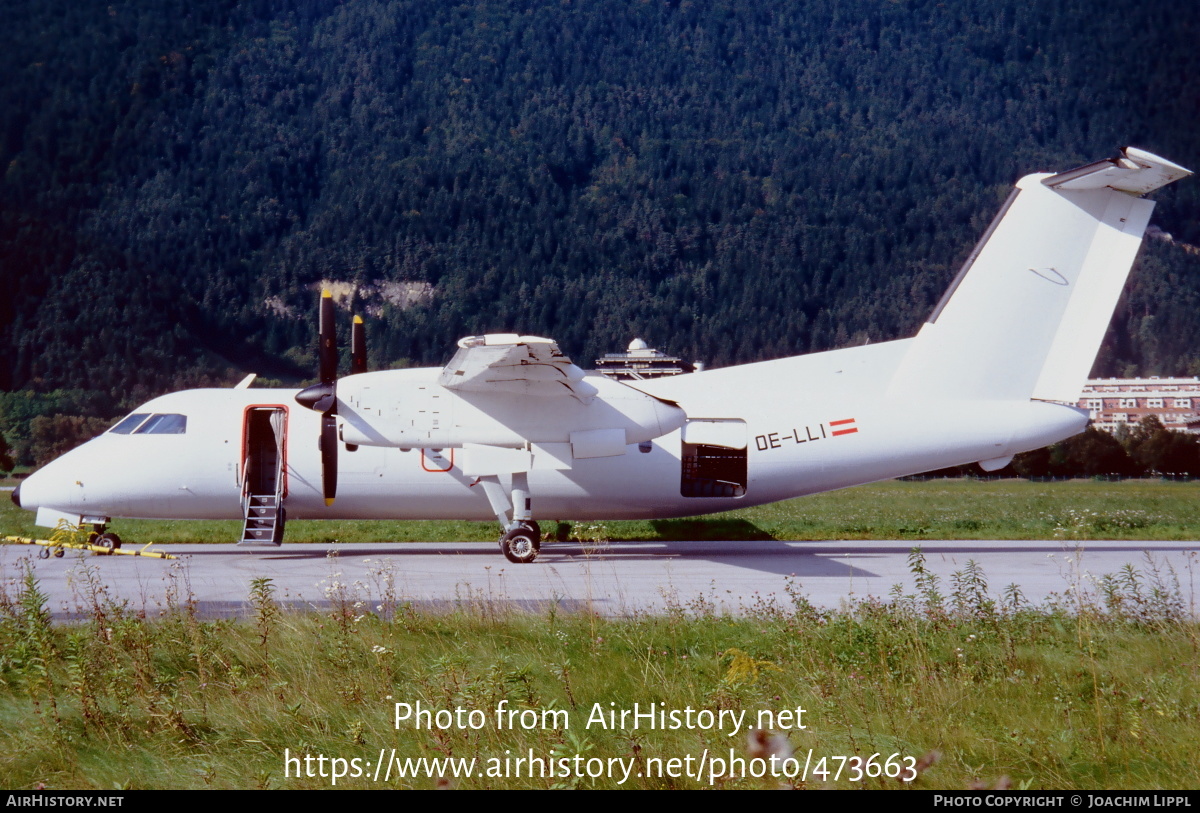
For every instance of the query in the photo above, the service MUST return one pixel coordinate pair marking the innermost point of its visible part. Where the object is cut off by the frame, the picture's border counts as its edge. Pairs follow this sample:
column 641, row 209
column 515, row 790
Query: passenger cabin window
column 129, row 424
column 163, row 425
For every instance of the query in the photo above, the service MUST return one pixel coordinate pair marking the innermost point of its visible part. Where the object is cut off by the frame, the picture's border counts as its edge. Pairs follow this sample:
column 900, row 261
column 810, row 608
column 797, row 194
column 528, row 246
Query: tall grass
column 977, row 686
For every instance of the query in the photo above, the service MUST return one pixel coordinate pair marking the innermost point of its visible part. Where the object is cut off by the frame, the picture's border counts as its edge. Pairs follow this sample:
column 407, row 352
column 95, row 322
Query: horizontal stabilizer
column 1134, row 171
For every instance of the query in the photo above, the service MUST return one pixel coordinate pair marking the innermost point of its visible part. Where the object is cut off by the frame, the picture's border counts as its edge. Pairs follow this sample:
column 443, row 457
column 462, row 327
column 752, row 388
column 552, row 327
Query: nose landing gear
column 102, row 539
column 109, row 541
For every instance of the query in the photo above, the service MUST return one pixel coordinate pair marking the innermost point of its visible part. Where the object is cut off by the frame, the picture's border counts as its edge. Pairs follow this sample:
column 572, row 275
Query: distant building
column 1114, row 402
column 640, row 362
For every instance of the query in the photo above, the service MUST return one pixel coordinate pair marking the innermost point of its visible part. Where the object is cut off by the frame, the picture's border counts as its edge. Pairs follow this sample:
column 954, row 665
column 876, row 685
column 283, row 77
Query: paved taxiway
column 614, row 579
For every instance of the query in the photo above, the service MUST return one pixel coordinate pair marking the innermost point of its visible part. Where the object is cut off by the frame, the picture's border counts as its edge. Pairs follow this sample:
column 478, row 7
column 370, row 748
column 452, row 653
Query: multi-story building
column 1114, row 402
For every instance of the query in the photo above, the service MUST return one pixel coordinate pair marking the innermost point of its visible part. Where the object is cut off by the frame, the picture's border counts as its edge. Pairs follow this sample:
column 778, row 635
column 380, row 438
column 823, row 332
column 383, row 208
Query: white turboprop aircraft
column 511, row 428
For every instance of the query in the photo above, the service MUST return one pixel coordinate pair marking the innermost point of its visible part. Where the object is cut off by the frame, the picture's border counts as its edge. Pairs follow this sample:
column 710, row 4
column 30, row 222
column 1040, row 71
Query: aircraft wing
column 506, row 362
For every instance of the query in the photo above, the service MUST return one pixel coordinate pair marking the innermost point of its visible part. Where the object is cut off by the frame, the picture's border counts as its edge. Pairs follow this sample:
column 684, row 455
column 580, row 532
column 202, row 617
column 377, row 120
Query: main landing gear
column 522, row 537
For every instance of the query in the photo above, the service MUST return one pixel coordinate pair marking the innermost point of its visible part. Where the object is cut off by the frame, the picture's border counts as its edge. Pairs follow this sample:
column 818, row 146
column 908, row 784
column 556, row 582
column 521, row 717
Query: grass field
column 934, row 509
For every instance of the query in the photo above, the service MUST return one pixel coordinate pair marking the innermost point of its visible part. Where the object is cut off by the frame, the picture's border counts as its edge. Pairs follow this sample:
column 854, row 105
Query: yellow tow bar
column 58, row 548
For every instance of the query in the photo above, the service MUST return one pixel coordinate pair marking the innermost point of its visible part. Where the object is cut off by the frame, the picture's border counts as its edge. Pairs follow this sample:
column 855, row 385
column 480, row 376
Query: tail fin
column 1027, row 312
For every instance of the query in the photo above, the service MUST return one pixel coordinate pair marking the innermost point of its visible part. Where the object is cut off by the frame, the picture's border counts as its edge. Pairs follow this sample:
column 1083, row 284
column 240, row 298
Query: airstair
column 263, row 478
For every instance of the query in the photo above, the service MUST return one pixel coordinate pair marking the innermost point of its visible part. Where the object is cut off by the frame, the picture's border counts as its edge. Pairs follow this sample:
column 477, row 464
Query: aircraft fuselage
column 807, row 424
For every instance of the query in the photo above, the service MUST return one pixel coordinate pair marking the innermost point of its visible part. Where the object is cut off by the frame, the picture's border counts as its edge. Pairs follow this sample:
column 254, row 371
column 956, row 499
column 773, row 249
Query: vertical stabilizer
column 1026, row 315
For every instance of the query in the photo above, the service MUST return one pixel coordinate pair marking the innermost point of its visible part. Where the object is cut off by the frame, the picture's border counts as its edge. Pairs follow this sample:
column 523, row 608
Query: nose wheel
column 108, row 541
column 103, row 539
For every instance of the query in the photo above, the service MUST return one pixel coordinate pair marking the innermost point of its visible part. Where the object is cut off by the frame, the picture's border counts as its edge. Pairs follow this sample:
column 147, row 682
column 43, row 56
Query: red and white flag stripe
column 847, row 424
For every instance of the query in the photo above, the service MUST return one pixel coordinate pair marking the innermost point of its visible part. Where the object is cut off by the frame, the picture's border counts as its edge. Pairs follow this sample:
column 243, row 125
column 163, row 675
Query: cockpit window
column 163, row 425
column 129, row 424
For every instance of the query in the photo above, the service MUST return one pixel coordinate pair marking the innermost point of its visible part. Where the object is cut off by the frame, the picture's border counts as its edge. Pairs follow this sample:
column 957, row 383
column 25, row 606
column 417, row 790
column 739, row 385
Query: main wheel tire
column 529, row 525
column 520, row 546
column 110, row 541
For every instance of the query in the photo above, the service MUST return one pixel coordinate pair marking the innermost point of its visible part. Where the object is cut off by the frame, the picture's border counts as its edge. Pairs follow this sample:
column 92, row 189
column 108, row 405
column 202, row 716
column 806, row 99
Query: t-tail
column 1027, row 313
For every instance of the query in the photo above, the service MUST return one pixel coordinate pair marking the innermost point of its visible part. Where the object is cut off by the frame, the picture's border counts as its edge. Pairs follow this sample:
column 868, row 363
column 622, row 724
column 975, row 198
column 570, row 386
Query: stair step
column 262, row 516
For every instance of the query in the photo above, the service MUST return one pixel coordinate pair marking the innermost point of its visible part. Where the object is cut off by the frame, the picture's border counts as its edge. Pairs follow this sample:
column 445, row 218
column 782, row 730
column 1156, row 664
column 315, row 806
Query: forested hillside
column 729, row 181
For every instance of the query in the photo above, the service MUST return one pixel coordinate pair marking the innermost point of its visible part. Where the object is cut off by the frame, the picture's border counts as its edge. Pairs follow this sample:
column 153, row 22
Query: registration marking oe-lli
column 822, row 431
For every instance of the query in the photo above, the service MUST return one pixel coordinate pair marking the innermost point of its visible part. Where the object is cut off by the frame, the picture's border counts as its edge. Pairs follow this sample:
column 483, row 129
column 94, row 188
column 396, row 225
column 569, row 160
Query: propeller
column 322, row 397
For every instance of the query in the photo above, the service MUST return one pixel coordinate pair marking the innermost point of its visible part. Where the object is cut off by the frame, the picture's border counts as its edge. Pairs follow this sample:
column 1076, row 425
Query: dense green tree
column 730, row 181
column 53, row 435
column 1156, row 449
column 1095, row 452
column 1147, row 448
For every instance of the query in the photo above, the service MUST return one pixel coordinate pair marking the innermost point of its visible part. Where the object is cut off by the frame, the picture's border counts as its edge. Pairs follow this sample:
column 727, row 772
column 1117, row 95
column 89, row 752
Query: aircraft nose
column 16, row 495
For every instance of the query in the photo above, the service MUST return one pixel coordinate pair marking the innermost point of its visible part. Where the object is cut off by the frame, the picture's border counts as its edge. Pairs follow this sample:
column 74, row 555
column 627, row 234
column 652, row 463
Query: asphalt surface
column 615, row 579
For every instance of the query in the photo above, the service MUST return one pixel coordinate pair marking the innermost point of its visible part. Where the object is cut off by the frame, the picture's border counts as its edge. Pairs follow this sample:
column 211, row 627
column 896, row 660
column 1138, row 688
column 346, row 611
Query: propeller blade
column 329, row 451
column 358, row 347
column 322, row 397
column 327, row 349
